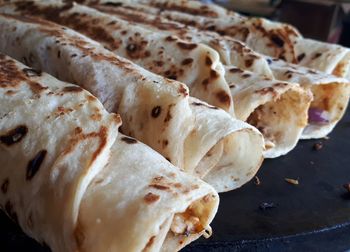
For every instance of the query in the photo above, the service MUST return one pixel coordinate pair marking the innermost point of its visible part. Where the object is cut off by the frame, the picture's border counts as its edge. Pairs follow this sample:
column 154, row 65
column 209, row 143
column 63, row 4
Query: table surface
column 311, row 216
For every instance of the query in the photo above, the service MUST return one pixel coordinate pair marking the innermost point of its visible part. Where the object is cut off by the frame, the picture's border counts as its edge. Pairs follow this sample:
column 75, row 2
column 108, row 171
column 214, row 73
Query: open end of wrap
column 281, row 121
column 223, row 151
column 327, row 108
column 140, row 202
column 240, row 159
column 190, row 224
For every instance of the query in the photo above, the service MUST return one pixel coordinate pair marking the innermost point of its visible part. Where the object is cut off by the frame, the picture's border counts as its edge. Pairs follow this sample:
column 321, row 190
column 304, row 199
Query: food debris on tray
column 292, row 181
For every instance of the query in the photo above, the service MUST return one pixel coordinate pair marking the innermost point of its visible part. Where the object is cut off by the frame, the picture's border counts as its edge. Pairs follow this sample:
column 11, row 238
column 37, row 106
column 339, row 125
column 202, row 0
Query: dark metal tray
column 311, row 216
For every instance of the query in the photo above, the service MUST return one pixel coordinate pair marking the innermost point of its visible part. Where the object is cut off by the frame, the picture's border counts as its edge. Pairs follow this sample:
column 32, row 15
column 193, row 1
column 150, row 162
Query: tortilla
column 307, row 78
column 195, row 64
column 272, row 38
column 278, row 109
column 331, row 95
column 295, row 100
column 231, row 51
column 325, row 57
column 83, row 186
column 155, row 110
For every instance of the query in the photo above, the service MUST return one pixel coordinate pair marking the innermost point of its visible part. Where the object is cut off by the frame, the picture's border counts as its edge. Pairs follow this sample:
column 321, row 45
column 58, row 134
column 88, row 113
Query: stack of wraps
column 275, row 39
column 263, row 105
column 197, row 137
column 212, row 91
column 79, row 185
column 330, row 94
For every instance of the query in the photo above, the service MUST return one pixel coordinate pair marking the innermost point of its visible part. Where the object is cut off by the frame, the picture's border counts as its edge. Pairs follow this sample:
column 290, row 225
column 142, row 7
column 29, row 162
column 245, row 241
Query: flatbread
column 331, row 95
column 155, row 110
column 247, row 99
column 277, row 108
column 194, row 64
column 272, row 38
column 314, row 79
column 78, row 184
column 231, row 51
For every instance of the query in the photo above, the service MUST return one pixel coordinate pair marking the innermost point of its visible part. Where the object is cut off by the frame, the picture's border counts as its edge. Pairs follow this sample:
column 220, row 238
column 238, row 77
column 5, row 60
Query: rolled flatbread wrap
column 157, row 111
column 330, row 95
column 120, row 33
column 78, row 184
column 194, row 64
column 277, row 108
column 231, row 51
column 272, row 38
column 281, row 72
column 277, row 143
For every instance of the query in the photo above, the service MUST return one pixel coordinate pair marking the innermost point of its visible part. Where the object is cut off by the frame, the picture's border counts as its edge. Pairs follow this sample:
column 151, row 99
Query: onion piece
column 318, row 116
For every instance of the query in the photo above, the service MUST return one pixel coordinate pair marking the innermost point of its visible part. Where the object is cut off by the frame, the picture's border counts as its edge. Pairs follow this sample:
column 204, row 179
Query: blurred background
column 326, row 20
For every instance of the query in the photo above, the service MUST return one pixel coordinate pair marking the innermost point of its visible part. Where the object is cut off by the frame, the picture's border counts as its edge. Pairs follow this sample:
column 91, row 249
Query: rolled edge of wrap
column 156, row 208
column 229, row 151
column 277, row 108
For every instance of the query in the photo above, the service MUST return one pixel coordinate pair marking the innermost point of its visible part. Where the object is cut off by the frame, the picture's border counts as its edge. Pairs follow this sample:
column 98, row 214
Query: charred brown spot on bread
column 96, row 117
column 9, row 209
column 187, row 61
column 34, row 164
column 113, row 4
column 277, row 40
column 301, row 57
column 316, row 55
column 235, row 70
column 10, row 74
column 29, row 72
column 14, row 136
column 186, row 46
column 232, row 86
column 72, row 89
column 158, row 179
column 223, row 97
column 165, row 143
column 79, row 234
column 168, row 116
column 246, row 75
column 182, row 90
column 248, row 62
column 151, row 198
column 5, row 186
column 159, row 63
column 205, row 82
column 214, row 74
column 149, row 243
column 170, row 38
column 156, row 111
column 280, row 84
column 208, row 61
column 129, row 140
column 131, row 47
column 36, row 87
column 159, row 187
